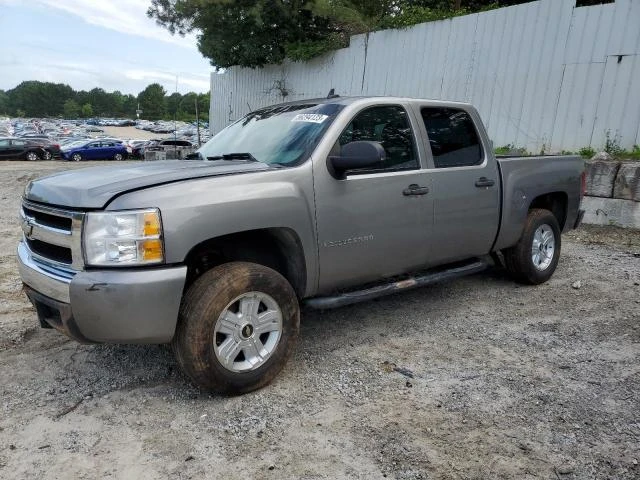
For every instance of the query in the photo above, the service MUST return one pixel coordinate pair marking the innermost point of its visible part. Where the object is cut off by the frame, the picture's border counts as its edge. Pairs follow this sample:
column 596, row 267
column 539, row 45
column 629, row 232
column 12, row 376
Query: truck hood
column 93, row 188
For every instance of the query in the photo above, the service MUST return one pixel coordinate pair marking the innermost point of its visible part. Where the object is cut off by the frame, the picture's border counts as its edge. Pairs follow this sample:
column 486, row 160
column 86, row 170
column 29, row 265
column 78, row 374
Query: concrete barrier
column 168, row 152
column 153, row 155
column 627, row 183
column 601, row 177
column 611, row 211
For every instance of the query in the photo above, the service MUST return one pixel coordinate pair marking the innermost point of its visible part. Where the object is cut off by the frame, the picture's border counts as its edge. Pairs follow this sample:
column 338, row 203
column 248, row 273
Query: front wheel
column 76, row 157
column 31, row 156
column 237, row 327
column 535, row 257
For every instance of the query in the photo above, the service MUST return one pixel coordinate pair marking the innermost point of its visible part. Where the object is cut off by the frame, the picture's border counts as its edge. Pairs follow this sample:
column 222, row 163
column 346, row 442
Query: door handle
column 415, row 189
column 484, row 182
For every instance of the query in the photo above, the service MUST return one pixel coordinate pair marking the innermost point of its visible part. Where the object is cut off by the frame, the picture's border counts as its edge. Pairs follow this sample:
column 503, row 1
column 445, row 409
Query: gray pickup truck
column 319, row 202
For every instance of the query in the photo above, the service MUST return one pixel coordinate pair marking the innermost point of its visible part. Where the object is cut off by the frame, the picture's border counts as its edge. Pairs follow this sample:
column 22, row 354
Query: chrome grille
column 53, row 235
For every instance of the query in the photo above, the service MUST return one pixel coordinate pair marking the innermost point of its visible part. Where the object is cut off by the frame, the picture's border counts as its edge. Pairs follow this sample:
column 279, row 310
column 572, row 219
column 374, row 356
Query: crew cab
column 319, row 202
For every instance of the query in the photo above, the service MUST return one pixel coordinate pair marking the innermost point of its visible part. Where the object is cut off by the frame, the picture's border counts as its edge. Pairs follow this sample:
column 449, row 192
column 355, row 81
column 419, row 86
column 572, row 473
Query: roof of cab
column 349, row 100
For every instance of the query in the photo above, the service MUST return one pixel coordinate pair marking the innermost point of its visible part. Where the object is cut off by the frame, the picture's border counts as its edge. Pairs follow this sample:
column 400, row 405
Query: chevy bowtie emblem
column 27, row 226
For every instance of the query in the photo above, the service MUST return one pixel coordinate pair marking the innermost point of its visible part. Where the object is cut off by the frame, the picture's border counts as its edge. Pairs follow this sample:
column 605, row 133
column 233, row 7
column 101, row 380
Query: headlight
column 132, row 237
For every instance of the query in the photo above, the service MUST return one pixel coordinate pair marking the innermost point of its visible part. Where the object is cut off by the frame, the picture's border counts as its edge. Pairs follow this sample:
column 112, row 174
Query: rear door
column 466, row 187
column 108, row 150
column 93, row 151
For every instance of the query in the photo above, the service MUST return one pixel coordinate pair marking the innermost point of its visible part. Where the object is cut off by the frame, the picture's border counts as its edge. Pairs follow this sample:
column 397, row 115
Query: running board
column 357, row 296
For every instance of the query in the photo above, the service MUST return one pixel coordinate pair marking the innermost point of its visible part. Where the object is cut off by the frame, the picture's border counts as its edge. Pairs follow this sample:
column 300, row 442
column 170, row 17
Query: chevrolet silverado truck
column 319, row 202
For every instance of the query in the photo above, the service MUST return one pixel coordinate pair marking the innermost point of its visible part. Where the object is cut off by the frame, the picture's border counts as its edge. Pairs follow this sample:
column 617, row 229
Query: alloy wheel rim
column 543, row 247
column 247, row 332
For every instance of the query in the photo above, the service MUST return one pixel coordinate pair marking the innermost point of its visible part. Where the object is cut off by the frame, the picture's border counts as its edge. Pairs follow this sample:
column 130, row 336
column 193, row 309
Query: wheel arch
column 556, row 202
column 278, row 248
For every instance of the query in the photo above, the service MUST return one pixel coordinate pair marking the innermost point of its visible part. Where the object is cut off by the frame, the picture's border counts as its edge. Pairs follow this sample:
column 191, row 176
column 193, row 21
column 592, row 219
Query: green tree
column 87, row 110
column 39, row 99
column 4, row 103
column 204, row 101
column 101, row 101
column 152, row 101
column 116, row 103
column 172, row 104
column 253, row 33
column 129, row 106
column 71, row 109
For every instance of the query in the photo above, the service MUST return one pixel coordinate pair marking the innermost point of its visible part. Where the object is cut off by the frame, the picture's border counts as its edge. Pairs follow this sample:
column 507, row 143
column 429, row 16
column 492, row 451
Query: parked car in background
column 51, row 148
column 95, row 150
column 20, row 149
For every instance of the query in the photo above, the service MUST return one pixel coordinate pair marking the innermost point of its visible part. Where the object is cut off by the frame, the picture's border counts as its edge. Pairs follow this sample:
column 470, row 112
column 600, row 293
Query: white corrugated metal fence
column 544, row 75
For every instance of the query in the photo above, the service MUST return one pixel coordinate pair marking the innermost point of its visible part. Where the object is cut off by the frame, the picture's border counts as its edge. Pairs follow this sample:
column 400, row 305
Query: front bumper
column 105, row 306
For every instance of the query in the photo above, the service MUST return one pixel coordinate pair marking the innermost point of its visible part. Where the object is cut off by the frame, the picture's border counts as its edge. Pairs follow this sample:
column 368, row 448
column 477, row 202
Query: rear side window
column 452, row 136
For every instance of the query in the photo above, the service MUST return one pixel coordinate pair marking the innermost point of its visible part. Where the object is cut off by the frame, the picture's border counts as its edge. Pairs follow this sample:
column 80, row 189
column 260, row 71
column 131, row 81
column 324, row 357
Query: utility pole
column 175, row 115
column 197, row 121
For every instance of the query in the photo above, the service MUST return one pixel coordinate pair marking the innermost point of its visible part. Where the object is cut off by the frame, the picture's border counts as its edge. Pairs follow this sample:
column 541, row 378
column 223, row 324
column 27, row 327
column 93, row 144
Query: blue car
column 94, row 150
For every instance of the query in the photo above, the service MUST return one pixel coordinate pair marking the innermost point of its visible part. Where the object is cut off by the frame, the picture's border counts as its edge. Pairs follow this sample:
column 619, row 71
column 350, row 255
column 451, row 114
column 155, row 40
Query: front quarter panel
column 197, row 210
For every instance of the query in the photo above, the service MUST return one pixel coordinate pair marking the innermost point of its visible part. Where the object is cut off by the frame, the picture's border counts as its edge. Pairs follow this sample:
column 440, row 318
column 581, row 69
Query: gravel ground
column 473, row 379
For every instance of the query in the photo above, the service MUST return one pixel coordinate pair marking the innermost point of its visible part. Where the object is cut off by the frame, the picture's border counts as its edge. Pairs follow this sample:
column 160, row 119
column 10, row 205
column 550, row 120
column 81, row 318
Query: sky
column 110, row 44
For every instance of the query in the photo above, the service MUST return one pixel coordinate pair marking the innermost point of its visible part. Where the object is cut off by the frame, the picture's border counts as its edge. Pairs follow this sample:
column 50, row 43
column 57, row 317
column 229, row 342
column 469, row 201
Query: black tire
column 31, row 156
column 118, row 157
column 203, row 304
column 519, row 260
column 76, row 157
column 47, row 155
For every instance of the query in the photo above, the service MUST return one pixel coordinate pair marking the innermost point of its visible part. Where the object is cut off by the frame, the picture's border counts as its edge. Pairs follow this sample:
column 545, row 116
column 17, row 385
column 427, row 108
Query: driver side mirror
column 356, row 155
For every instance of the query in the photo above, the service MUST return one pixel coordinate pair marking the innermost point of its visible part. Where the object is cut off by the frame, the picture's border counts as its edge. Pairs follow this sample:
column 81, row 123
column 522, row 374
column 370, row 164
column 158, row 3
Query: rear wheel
column 118, row 157
column 237, row 327
column 535, row 257
column 47, row 155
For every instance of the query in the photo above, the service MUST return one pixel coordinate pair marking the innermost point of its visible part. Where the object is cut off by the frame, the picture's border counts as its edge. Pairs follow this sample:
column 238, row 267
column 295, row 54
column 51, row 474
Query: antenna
column 332, row 93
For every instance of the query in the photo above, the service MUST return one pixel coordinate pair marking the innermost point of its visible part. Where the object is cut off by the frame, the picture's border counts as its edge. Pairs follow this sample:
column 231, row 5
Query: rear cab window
column 453, row 138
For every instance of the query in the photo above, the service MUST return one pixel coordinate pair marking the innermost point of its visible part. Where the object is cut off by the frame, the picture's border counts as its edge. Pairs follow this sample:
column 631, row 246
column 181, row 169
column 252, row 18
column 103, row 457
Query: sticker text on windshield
column 310, row 117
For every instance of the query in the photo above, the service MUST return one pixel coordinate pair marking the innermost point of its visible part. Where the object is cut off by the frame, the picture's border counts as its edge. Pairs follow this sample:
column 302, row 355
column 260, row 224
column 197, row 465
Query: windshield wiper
column 234, row 156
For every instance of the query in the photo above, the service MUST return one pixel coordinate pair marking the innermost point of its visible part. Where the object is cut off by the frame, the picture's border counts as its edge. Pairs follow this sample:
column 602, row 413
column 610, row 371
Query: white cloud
column 126, row 16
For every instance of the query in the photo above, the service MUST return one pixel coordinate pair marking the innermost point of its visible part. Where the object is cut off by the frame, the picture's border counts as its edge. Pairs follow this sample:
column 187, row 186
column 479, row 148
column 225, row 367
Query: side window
column 388, row 125
column 4, row 143
column 18, row 143
column 452, row 136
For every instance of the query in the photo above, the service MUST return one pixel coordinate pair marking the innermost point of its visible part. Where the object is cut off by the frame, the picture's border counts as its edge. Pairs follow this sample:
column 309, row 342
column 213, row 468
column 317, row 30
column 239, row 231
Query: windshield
column 284, row 134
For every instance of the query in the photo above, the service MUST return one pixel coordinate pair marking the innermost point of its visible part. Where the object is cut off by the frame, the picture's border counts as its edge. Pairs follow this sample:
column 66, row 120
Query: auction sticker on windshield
column 310, row 117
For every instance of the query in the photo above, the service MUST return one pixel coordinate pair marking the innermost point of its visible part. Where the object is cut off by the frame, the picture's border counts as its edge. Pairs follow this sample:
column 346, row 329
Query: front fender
column 197, row 210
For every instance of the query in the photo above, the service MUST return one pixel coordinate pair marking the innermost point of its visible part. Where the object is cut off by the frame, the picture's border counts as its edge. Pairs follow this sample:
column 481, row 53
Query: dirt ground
column 477, row 378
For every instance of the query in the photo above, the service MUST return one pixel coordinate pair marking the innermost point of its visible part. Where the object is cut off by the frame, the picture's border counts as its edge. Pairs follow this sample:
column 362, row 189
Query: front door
column 371, row 225
column 466, row 185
